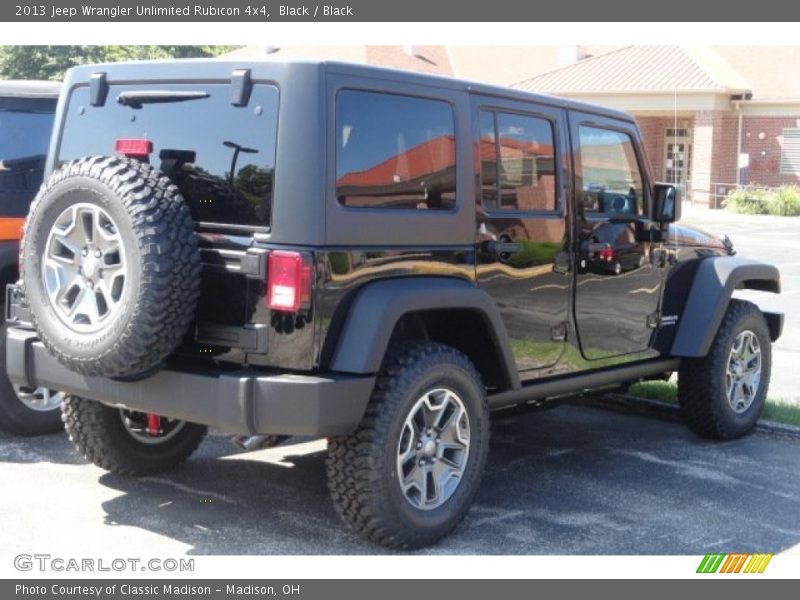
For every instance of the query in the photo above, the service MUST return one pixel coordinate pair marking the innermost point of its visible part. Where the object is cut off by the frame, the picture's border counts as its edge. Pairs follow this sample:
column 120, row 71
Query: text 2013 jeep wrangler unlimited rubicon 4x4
column 374, row 256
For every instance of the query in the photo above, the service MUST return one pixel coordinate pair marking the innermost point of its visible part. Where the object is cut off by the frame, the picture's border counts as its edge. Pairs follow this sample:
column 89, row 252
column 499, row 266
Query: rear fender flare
column 378, row 306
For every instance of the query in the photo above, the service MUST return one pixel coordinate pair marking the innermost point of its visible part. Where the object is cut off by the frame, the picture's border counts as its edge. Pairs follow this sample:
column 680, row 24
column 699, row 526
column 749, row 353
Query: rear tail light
column 606, row 254
column 288, row 281
column 153, row 425
column 140, row 149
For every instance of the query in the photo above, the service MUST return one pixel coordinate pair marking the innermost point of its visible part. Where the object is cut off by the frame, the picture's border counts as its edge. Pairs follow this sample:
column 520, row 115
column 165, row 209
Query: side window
column 394, row 152
column 608, row 173
column 517, row 162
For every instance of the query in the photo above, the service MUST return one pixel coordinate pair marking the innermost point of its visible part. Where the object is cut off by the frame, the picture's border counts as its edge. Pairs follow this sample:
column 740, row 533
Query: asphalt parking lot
column 569, row 480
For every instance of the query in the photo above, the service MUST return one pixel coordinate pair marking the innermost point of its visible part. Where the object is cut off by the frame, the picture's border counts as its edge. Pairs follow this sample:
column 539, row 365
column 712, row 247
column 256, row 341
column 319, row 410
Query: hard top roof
column 19, row 88
column 215, row 68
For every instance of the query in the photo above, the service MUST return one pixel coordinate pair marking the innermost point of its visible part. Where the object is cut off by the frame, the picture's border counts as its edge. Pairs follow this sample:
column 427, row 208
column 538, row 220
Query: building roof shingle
column 642, row 69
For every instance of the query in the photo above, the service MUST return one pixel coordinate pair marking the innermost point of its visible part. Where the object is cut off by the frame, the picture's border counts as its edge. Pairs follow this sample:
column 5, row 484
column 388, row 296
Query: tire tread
column 353, row 466
column 166, row 300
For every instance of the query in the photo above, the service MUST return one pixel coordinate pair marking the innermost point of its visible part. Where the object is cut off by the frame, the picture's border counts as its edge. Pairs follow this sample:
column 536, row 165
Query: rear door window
column 394, row 152
column 222, row 157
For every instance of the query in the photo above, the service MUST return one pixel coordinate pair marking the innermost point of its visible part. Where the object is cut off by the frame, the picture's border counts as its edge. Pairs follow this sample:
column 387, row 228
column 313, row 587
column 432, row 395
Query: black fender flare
column 378, row 306
column 714, row 282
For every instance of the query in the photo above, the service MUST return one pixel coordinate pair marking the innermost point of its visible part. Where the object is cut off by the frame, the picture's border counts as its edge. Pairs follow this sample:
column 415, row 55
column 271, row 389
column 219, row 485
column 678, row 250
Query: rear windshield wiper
column 137, row 99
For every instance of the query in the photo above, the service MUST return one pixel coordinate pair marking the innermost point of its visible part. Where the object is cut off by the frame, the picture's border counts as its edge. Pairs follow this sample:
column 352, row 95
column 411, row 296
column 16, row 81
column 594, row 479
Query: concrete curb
column 628, row 404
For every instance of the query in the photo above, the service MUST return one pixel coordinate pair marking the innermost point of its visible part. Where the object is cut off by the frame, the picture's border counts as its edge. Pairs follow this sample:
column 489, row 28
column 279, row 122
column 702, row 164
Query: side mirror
column 667, row 203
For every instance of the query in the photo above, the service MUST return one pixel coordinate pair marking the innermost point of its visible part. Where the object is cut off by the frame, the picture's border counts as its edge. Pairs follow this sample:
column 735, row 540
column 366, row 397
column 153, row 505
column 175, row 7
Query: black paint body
column 554, row 308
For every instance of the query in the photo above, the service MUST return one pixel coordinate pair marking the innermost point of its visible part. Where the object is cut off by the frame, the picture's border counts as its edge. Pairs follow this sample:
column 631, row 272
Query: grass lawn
column 774, row 410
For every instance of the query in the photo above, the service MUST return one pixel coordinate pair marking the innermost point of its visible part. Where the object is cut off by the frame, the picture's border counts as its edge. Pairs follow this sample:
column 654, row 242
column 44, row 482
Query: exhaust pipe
column 249, row 443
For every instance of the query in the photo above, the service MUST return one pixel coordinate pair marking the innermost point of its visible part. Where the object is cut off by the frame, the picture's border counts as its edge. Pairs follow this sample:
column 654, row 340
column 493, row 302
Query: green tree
column 50, row 62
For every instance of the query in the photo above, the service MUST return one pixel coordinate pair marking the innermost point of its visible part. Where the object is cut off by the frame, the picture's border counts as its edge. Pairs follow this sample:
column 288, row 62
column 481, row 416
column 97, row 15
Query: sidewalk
column 774, row 240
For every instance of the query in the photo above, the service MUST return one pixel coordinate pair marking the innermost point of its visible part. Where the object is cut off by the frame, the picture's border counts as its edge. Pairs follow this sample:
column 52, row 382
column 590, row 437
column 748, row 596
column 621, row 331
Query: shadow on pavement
column 573, row 480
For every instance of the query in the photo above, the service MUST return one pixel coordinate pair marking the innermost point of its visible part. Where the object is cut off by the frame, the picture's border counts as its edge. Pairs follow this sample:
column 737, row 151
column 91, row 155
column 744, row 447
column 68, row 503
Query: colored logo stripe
column 734, row 563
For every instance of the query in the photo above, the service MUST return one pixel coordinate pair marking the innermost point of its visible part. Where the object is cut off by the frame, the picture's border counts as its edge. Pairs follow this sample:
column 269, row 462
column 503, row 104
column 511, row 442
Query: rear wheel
column 129, row 442
column 407, row 476
column 722, row 394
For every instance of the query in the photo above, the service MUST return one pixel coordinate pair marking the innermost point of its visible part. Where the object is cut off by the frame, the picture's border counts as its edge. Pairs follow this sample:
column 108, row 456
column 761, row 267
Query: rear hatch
column 221, row 155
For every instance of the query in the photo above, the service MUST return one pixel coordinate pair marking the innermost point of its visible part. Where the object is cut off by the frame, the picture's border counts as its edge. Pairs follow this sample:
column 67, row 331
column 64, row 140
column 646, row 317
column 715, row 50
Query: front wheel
column 407, row 476
column 128, row 442
column 721, row 394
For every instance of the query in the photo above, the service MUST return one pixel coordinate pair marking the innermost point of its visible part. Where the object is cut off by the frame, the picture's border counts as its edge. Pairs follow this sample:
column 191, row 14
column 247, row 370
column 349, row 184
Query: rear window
column 222, row 157
column 25, row 125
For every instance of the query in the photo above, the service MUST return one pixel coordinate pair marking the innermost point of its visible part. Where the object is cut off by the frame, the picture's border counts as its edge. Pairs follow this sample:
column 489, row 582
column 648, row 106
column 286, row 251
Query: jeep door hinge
column 559, row 332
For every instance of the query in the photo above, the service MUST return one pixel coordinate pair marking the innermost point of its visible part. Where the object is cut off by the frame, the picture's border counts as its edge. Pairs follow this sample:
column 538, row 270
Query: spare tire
column 110, row 266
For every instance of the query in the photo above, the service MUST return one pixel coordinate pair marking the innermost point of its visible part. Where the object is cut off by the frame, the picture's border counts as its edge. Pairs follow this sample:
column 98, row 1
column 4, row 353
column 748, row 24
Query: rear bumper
column 244, row 401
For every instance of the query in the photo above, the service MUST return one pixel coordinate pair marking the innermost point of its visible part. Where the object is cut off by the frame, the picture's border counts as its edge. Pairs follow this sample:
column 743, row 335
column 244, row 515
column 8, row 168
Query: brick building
column 711, row 117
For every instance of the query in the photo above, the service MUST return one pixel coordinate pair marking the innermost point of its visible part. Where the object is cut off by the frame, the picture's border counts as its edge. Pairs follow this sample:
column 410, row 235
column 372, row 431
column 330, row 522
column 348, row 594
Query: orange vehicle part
column 11, row 228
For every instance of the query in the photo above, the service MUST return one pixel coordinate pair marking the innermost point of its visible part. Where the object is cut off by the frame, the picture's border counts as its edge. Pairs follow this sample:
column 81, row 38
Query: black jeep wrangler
column 374, row 256
column 26, row 120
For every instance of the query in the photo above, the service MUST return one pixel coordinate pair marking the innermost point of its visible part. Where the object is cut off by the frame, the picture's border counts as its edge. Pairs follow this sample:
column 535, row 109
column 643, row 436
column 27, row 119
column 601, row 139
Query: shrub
column 783, row 201
column 748, row 201
column 786, row 202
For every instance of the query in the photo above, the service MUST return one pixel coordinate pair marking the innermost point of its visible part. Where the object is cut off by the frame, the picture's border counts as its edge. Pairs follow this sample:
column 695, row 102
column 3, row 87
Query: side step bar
column 573, row 384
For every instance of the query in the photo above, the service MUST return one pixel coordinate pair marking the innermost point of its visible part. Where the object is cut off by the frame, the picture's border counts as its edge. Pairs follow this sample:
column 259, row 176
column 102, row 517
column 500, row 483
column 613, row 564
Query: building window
column 517, row 162
column 790, row 153
column 679, row 133
column 394, row 152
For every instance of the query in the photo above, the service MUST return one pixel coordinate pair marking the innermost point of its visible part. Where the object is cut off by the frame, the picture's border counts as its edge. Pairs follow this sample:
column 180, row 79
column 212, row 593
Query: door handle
column 562, row 262
column 496, row 247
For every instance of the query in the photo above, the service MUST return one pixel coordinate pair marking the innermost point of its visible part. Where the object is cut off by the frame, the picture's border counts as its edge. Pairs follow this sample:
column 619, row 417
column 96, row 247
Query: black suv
column 374, row 256
column 26, row 120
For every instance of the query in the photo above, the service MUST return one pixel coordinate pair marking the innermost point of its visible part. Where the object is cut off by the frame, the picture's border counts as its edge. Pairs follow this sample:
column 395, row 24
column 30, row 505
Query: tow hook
column 153, row 424
column 249, row 443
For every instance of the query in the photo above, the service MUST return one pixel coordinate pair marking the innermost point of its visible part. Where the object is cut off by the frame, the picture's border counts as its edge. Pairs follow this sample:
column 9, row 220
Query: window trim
column 397, row 211
column 558, row 210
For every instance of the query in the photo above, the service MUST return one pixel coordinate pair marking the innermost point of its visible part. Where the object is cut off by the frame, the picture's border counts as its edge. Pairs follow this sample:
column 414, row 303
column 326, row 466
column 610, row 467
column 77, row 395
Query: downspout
column 739, row 145
column 737, row 101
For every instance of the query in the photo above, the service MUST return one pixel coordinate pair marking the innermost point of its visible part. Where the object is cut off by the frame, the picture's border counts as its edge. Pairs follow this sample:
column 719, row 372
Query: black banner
column 407, row 10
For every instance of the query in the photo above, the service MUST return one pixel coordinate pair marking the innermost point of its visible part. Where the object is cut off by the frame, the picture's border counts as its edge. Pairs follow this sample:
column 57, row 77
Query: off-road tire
column 15, row 417
column 361, row 467
column 160, row 297
column 98, row 434
column 701, row 381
